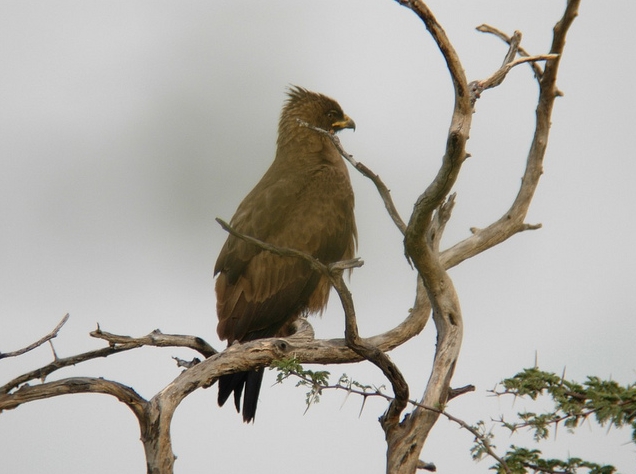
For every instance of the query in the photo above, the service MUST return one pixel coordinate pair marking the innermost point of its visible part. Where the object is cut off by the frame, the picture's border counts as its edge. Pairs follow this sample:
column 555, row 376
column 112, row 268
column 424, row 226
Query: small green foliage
column 539, row 422
column 522, row 460
column 483, row 440
column 609, row 402
column 531, row 382
column 315, row 380
column 605, row 400
column 346, row 382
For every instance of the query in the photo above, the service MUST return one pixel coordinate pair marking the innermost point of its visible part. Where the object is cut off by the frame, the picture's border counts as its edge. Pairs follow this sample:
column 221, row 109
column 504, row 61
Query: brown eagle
column 304, row 202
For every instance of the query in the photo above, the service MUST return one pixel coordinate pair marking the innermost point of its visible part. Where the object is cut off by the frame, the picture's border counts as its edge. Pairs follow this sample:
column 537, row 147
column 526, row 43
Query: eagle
column 304, row 201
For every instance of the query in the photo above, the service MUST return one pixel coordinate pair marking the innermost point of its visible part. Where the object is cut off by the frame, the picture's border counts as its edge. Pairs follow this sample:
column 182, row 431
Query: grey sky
column 126, row 127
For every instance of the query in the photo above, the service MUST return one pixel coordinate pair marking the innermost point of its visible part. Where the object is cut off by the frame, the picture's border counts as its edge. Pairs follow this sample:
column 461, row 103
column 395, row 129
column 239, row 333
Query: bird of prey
column 305, row 202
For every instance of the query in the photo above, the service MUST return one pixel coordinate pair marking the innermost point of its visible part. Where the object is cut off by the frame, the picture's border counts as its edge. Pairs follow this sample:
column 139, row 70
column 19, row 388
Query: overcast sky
column 127, row 127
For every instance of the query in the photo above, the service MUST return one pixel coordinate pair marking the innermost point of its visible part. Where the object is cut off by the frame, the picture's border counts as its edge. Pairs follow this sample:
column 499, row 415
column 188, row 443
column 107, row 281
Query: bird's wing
column 258, row 292
column 261, row 214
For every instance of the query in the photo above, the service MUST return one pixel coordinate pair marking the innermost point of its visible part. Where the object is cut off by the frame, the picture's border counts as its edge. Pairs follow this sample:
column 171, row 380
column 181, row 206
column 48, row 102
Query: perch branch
column 365, row 350
column 39, row 342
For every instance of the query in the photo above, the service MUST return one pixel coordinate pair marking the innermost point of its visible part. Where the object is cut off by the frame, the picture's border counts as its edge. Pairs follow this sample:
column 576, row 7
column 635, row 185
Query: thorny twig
column 479, row 437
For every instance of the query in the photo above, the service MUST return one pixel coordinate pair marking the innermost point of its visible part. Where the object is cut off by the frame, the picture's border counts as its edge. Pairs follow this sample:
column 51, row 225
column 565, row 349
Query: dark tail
column 234, row 383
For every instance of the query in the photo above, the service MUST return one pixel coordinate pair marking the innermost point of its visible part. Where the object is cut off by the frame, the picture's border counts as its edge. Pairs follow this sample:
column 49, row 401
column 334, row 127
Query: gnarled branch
column 117, row 344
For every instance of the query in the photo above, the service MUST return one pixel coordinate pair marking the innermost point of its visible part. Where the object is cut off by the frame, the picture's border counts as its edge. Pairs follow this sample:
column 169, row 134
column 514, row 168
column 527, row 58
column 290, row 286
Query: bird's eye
column 332, row 114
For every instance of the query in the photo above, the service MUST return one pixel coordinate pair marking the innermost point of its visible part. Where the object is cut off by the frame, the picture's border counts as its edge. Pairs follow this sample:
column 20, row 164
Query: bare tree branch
column 431, row 268
column 538, row 72
column 74, row 385
column 384, row 192
column 352, row 336
column 30, row 347
column 157, row 339
column 44, row 371
column 497, row 78
column 117, row 344
column 446, row 48
column 287, row 252
column 372, row 353
column 426, row 466
column 512, row 222
column 405, row 440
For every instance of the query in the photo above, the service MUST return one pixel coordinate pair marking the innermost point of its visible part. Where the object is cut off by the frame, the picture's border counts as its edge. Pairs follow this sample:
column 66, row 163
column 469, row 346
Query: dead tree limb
column 513, row 220
column 157, row 339
column 117, row 344
column 39, row 342
column 405, row 440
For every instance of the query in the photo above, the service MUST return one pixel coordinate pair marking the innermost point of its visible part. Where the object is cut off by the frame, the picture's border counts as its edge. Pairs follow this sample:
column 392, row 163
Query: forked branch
column 405, row 444
column 117, row 344
column 39, row 342
column 512, row 221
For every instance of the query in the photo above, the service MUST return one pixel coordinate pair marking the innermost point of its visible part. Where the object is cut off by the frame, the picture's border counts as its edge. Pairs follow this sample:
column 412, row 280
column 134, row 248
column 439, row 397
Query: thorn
column 563, row 375
column 364, row 400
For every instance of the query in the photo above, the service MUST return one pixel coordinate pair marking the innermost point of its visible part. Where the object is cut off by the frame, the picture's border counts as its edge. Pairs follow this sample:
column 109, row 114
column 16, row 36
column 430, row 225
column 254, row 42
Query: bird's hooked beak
column 347, row 122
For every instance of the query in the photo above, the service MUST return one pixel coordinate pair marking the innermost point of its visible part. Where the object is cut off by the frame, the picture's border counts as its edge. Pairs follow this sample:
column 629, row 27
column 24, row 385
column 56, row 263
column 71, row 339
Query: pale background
column 127, row 127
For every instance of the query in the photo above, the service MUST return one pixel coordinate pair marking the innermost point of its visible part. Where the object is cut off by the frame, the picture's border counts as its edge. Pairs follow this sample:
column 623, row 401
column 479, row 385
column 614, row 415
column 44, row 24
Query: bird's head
column 315, row 109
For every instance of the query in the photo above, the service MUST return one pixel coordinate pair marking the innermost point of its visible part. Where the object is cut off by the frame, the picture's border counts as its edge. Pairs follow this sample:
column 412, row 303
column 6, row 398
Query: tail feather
column 234, row 384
